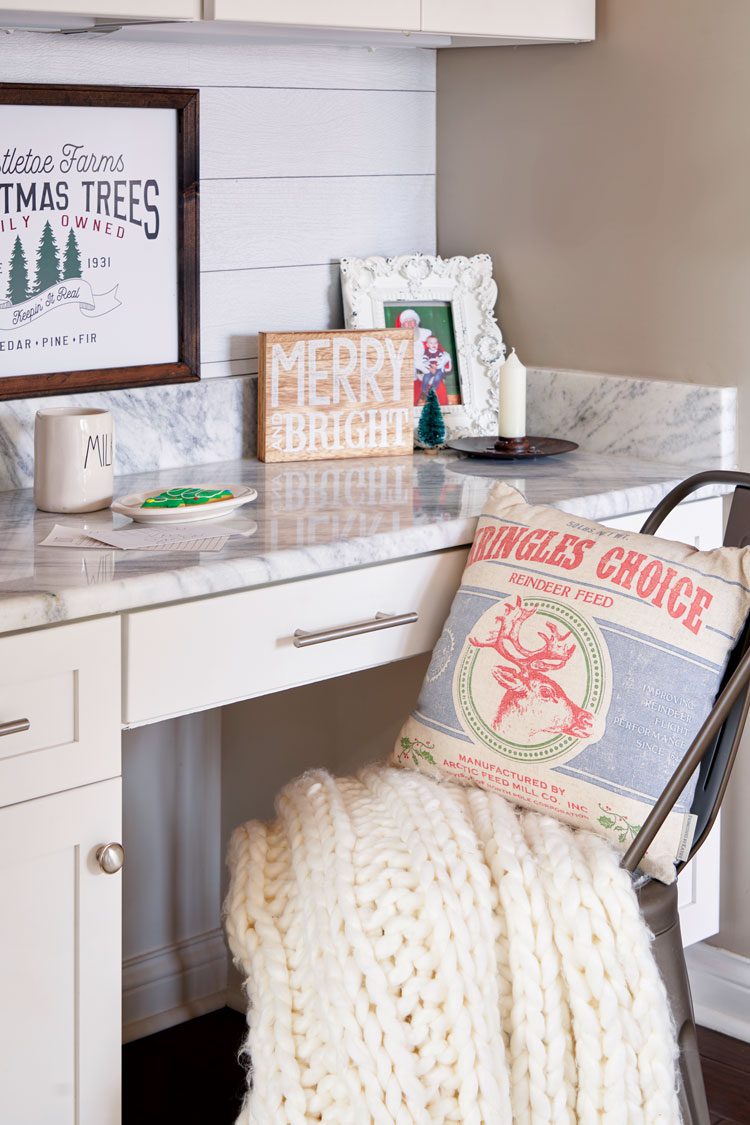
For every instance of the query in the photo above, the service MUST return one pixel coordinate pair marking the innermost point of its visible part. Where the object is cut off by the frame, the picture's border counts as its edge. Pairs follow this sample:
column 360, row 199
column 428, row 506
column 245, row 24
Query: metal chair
column 713, row 750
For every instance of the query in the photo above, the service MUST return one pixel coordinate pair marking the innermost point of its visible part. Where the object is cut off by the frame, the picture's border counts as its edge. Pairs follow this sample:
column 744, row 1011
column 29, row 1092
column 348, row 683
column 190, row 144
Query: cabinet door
column 60, row 960
column 110, row 9
column 511, row 19
column 700, row 523
column 376, row 15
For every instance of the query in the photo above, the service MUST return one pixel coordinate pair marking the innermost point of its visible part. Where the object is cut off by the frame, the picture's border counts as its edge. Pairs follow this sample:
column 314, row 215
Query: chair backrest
column 718, row 754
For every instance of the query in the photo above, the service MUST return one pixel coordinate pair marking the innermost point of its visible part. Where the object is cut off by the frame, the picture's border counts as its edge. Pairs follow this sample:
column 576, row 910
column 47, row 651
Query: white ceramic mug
column 74, row 455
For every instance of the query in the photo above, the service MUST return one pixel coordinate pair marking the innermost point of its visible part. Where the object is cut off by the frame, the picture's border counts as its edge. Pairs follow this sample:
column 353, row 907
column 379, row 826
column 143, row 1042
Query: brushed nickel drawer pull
column 15, row 726
column 303, row 639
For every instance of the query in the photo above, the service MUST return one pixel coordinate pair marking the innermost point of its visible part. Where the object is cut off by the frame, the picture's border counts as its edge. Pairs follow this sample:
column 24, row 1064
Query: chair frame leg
column 658, row 905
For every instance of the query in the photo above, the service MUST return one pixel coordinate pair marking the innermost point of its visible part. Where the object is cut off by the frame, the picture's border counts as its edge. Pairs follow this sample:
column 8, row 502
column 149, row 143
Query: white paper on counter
column 134, row 538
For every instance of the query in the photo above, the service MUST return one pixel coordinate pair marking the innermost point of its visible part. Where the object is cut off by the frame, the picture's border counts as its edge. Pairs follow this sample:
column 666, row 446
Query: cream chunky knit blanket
column 417, row 951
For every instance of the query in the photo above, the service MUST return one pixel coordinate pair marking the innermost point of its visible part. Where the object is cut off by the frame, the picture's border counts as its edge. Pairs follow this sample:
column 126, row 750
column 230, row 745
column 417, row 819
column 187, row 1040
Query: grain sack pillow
column 576, row 666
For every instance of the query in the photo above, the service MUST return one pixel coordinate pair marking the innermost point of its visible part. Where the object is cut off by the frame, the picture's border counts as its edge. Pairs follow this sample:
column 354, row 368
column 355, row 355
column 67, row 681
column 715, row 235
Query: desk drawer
column 65, row 683
column 200, row 654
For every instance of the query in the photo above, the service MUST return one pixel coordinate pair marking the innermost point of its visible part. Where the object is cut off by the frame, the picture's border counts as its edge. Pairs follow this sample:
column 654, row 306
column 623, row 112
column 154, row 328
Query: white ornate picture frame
column 369, row 284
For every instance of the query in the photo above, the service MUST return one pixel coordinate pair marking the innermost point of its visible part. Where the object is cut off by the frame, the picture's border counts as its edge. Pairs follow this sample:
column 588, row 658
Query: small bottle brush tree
column 431, row 428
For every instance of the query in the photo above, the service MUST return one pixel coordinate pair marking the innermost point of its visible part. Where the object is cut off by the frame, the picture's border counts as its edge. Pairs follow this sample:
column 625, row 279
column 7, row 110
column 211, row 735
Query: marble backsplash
column 215, row 420
column 155, row 427
column 682, row 423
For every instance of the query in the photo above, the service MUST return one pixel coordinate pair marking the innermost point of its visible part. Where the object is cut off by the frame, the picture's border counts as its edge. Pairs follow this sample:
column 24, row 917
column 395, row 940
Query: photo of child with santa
column 432, row 362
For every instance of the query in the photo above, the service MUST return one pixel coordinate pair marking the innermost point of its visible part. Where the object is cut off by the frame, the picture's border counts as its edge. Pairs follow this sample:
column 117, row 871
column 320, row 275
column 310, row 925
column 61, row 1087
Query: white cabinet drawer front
column 65, row 683
column 512, row 19
column 201, row 654
column 378, row 15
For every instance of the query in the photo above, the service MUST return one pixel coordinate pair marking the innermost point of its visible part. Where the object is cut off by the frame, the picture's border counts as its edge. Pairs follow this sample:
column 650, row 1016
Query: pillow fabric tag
column 576, row 666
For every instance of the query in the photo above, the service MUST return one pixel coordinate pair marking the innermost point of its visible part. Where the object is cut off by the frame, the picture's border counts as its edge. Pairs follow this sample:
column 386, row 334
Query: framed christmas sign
column 99, row 258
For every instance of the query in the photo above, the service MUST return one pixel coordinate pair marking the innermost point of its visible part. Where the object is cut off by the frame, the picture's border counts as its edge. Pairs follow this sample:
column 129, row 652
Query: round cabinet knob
column 110, row 858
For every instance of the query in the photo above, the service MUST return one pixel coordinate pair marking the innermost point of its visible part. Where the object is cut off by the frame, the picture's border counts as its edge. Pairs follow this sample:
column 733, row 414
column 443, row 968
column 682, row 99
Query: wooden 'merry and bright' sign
column 335, row 394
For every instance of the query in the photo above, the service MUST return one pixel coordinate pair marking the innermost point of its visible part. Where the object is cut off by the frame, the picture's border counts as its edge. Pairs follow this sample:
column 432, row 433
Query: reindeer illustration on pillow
column 533, row 703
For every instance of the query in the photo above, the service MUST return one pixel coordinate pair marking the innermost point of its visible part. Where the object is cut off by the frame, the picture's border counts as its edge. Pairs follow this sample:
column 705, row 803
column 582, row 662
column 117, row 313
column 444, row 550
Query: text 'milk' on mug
column 73, row 459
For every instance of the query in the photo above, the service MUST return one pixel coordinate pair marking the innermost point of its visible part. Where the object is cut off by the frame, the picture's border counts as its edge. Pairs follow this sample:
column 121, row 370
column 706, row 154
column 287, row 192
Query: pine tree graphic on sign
column 47, row 261
column 72, row 261
column 18, row 275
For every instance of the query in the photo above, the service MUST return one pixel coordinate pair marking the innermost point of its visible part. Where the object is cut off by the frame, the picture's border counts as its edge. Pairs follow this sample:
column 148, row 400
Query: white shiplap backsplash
column 307, row 154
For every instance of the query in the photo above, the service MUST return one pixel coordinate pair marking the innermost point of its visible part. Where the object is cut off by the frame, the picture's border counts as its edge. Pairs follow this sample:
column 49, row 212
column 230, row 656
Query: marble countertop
column 312, row 518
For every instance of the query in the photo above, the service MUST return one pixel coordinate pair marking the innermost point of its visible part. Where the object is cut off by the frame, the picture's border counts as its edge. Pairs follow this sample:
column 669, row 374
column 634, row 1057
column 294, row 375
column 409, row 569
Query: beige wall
column 610, row 182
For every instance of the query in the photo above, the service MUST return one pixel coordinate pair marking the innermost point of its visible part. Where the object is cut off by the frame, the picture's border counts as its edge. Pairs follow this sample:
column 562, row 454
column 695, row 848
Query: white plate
column 130, row 506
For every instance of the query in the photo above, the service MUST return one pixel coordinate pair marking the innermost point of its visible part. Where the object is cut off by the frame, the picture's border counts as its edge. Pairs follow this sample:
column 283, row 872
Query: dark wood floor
column 726, row 1073
column 189, row 1075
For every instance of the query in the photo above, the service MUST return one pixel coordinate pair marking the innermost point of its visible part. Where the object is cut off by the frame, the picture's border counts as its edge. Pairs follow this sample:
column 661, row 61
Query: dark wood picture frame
column 186, row 368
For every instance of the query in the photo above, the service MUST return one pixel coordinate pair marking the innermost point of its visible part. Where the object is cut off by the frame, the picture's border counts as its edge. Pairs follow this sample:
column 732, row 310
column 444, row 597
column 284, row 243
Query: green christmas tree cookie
column 187, row 497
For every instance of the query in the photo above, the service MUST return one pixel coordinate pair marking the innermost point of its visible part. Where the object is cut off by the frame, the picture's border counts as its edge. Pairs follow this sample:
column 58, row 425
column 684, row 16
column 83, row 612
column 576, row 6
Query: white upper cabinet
column 464, row 21
column 376, row 15
column 550, row 20
column 105, row 9
column 514, row 20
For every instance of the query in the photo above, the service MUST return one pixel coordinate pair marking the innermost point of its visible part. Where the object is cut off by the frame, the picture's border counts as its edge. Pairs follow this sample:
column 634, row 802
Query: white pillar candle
column 512, row 405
